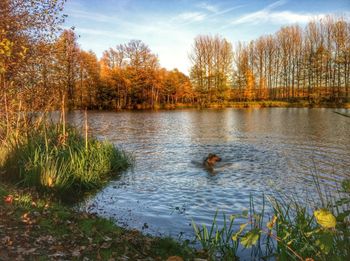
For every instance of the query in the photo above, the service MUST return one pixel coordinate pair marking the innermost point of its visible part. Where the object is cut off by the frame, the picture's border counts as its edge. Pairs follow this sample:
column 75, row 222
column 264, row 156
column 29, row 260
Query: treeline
column 43, row 68
column 127, row 77
column 294, row 63
column 132, row 78
column 311, row 64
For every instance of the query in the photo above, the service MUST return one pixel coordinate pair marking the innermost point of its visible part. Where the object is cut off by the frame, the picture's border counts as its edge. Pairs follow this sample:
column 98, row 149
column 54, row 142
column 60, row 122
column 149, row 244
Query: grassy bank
column 47, row 166
column 33, row 227
column 60, row 162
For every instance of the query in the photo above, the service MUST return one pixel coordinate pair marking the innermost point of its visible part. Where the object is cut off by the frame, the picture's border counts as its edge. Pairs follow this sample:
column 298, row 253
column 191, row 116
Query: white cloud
column 276, row 4
column 282, row 17
column 191, row 16
column 208, row 7
column 267, row 15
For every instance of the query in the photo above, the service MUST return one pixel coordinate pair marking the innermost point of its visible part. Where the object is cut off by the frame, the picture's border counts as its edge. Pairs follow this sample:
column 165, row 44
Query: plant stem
column 86, row 131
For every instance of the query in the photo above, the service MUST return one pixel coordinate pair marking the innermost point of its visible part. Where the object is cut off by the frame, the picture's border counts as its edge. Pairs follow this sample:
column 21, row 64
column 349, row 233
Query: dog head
column 212, row 159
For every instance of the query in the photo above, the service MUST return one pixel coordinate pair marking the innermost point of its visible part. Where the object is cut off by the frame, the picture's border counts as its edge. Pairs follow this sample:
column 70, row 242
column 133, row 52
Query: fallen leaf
column 76, row 253
column 106, row 238
column 29, row 251
column 8, row 199
column 174, row 258
column 106, row 245
column 7, row 241
column 58, row 255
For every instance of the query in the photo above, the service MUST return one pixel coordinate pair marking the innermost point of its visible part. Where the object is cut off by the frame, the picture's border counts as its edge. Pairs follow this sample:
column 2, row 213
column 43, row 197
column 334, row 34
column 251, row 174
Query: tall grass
column 220, row 242
column 291, row 231
column 49, row 160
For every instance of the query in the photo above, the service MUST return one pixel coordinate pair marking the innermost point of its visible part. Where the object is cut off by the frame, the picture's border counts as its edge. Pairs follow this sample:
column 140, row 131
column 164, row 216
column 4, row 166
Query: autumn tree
column 176, row 87
column 25, row 27
column 132, row 78
column 242, row 70
column 88, row 80
column 211, row 72
column 294, row 64
column 67, row 64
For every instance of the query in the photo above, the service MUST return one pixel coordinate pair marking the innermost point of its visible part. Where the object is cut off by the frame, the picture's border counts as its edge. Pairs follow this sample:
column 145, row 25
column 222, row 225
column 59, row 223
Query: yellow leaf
column 271, row 223
column 325, row 218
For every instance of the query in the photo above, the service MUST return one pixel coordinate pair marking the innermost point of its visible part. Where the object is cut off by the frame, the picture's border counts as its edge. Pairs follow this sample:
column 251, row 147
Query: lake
column 263, row 151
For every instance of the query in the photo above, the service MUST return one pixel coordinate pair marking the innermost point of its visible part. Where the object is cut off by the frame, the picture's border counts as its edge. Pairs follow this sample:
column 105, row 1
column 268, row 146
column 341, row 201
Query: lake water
column 262, row 150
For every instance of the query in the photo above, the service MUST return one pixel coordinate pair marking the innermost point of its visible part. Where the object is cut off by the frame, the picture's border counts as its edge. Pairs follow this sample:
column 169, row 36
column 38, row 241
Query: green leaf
column 343, row 215
column 290, row 242
column 346, row 185
column 311, row 233
column 245, row 213
column 251, row 238
column 325, row 242
column 286, row 236
column 342, row 201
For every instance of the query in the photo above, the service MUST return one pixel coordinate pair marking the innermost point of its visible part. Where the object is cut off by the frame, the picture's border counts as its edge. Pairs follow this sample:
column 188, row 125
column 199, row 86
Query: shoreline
column 234, row 105
column 32, row 226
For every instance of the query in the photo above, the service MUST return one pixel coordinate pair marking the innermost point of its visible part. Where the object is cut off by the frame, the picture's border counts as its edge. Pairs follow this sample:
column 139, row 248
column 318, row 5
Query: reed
column 291, row 231
column 60, row 161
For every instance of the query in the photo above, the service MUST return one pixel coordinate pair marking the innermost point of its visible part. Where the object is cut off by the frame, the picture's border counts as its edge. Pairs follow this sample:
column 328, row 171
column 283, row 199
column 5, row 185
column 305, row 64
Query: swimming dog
column 210, row 161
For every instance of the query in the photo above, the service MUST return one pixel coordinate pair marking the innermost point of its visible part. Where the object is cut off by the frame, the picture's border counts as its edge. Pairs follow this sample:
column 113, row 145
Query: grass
column 292, row 231
column 51, row 162
column 219, row 242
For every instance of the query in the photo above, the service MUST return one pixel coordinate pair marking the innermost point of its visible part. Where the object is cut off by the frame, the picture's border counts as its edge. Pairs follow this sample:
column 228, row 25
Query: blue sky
column 169, row 27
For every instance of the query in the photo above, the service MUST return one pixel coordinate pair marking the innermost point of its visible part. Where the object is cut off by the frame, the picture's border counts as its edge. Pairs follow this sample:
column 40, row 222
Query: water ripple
column 263, row 151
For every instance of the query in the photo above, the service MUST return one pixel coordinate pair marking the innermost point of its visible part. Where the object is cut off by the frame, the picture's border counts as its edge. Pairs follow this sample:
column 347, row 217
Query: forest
column 42, row 66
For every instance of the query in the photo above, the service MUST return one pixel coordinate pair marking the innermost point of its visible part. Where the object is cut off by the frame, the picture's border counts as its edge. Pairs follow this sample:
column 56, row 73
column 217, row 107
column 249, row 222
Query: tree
column 67, row 54
column 88, row 80
column 25, row 26
column 211, row 70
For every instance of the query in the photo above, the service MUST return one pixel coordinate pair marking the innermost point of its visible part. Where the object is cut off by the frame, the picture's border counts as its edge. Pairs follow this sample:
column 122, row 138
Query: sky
column 169, row 27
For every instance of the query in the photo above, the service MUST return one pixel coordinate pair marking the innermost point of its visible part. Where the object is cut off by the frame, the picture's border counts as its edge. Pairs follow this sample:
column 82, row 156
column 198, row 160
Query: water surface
column 263, row 151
